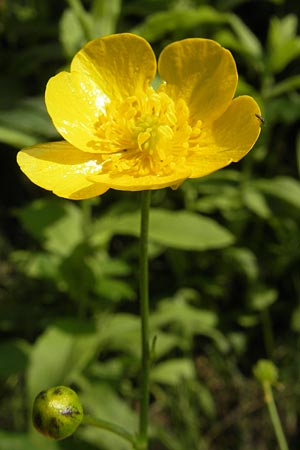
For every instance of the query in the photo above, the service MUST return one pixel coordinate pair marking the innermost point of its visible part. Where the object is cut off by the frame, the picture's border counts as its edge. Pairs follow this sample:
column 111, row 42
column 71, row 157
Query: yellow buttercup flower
column 121, row 133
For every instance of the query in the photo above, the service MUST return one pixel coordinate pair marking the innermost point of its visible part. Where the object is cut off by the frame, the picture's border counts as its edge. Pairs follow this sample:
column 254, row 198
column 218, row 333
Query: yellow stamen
column 144, row 135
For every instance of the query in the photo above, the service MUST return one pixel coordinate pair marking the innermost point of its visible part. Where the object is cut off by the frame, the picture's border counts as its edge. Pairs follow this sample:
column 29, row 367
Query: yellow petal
column 228, row 139
column 106, row 69
column 120, row 64
column 74, row 103
column 202, row 73
column 61, row 168
column 125, row 182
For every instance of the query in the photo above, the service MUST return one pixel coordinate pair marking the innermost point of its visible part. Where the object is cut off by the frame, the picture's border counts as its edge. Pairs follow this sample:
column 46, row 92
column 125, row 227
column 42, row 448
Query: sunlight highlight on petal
column 121, row 133
column 62, row 169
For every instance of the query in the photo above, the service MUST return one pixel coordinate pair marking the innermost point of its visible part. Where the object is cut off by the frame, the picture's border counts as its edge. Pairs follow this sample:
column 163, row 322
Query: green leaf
column 60, row 353
column 283, row 87
column 113, row 290
column 191, row 320
column 102, row 401
column 37, row 264
column 105, row 14
column 173, row 371
column 256, row 202
column 188, row 231
column 283, row 55
column 158, row 24
column 121, row 332
column 57, row 224
column 284, row 188
column 22, row 441
column 284, row 110
column 177, row 229
column 263, row 297
column 14, row 357
column 16, row 138
column 283, row 44
column 298, row 151
column 243, row 260
column 71, row 34
column 26, row 124
column 248, row 320
column 295, row 321
column 250, row 43
column 282, row 30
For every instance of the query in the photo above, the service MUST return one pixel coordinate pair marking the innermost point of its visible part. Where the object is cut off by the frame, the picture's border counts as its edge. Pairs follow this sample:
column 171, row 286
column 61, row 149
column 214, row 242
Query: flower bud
column 265, row 371
column 57, row 412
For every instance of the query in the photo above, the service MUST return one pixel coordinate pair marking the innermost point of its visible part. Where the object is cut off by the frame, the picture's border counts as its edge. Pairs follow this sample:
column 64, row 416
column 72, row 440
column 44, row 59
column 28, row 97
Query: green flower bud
column 265, row 371
column 57, row 412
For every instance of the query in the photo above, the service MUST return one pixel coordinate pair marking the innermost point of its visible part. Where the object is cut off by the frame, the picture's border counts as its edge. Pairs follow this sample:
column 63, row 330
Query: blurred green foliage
column 224, row 250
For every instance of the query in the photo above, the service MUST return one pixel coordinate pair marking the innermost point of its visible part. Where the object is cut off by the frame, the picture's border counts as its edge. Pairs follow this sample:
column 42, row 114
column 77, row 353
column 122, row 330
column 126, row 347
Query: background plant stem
column 144, row 313
column 274, row 417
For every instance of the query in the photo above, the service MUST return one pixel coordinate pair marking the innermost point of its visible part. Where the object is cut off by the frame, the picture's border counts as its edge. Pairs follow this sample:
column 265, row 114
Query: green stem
column 144, row 312
column 108, row 426
column 274, row 416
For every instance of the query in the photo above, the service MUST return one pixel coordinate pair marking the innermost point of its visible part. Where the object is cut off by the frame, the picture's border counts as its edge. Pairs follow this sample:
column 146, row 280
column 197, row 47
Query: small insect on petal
column 262, row 120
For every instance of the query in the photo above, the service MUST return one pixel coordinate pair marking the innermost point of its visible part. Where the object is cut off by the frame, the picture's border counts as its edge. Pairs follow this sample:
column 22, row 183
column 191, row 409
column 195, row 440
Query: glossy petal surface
column 121, row 64
column 147, row 182
column 75, row 102
column 62, row 169
column 105, row 69
column 123, row 134
column 228, row 139
column 202, row 73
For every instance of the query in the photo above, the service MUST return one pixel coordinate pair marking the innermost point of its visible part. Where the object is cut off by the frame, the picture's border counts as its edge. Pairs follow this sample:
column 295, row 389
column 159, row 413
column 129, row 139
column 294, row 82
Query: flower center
column 143, row 135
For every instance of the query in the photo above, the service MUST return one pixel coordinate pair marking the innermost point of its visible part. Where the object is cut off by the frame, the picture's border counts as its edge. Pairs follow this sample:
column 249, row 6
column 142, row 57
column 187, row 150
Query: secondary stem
column 144, row 312
column 274, row 417
column 104, row 425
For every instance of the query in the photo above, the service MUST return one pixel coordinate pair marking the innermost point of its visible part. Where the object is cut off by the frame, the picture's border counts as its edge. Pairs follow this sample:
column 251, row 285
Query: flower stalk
column 267, row 374
column 273, row 413
column 109, row 426
column 144, row 314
